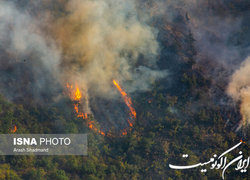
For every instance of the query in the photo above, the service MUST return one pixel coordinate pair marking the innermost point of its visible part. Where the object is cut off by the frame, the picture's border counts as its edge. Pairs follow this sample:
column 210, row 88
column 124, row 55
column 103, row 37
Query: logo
column 220, row 162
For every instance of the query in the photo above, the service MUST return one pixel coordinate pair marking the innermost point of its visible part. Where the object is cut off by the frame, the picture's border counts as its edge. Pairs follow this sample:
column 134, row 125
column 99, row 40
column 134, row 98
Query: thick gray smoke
column 46, row 45
column 88, row 43
column 239, row 89
column 29, row 61
column 104, row 40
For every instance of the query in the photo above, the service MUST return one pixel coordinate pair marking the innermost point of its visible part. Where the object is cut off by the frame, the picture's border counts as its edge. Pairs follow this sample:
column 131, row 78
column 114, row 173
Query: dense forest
column 186, row 112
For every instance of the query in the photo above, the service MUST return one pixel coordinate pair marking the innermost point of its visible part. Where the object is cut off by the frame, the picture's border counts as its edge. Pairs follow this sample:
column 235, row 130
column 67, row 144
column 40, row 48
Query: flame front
column 128, row 102
column 14, row 129
column 76, row 96
column 126, row 99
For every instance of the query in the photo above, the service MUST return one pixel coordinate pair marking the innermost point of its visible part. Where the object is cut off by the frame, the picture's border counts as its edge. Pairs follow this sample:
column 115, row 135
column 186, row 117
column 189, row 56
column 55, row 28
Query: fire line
column 14, row 129
column 76, row 97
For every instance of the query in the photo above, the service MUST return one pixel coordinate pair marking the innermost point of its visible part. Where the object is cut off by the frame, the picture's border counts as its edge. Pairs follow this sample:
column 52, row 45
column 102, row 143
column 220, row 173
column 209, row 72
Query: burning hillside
column 77, row 98
column 88, row 43
column 148, row 81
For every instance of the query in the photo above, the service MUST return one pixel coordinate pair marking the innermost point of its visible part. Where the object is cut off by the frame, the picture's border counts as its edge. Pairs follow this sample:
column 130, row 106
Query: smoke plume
column 104, row 40
column 239, row 89
column 29, row 62
column 87, row 44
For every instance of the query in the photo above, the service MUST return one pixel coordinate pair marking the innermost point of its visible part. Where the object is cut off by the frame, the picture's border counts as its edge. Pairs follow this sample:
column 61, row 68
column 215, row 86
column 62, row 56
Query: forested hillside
column 183, row 99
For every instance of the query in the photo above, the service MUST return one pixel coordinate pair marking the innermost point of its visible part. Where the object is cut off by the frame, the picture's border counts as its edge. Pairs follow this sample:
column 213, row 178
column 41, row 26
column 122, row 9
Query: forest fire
column 14, row 129
column 126, row 99
column 76, row 96
column 128, row 102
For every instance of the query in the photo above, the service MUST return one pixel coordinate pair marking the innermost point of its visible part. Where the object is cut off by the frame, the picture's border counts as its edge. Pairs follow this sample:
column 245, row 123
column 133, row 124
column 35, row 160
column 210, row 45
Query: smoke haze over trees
column 184, row 64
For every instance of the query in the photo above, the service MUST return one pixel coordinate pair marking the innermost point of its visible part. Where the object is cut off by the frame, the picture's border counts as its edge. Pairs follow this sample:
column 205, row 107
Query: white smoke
column 24, row 48
column 239, row 90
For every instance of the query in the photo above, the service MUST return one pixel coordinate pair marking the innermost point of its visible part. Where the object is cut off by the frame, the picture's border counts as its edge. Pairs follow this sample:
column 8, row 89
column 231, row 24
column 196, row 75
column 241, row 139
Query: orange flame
column 124, row 133
column 76, row 96
column 128, row 102
column 14, row 129
column 242, row 141
column 126, row 99
column 83, row 115
column 76, row 108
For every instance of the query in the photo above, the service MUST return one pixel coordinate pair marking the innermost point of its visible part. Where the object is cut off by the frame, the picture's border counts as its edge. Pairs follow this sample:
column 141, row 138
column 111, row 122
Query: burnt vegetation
column 187, row 112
